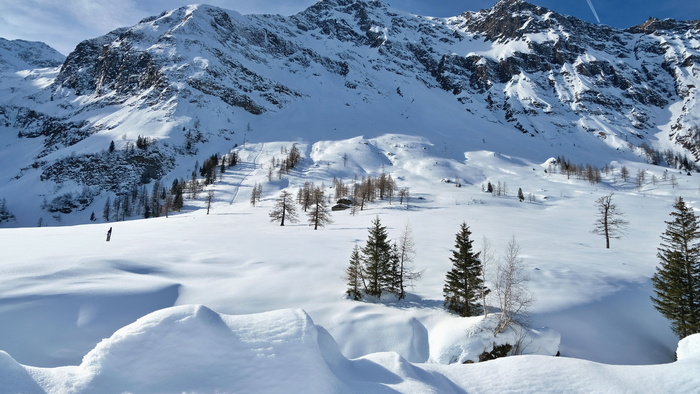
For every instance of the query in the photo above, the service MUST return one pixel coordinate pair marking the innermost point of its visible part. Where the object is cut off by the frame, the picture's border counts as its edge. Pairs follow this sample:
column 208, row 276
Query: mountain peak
column 343, row 6
column 18, row 55
column 507, row 19
column 653, row 25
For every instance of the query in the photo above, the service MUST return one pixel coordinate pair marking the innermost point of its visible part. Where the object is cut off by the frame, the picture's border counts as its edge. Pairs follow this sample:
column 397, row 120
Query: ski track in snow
column 253, row 166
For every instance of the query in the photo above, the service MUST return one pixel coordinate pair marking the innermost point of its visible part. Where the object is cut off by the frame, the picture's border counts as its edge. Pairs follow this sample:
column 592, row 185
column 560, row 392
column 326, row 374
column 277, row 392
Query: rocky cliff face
column 491, row 57
column 198, row 76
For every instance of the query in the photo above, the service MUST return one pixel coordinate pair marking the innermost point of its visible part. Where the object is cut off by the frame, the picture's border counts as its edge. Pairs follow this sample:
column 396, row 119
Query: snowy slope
column 516, row 79
column 229, row 302
column 591, row 303
column 16, row 55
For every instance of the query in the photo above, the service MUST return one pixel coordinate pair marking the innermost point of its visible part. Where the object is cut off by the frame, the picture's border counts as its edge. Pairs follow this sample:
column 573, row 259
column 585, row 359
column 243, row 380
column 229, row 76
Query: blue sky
column 63, row 24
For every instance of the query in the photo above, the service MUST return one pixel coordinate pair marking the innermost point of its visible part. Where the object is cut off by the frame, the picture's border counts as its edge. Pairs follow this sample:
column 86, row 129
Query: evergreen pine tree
column 463, row 283
column 393, row 275
column 353, row 275
column 376, row 256
column 176, row 191
column 677, row 279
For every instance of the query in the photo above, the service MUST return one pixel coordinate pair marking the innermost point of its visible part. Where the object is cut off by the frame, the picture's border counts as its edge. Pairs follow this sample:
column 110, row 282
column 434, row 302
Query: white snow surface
column 689, row 347
column 230, row 302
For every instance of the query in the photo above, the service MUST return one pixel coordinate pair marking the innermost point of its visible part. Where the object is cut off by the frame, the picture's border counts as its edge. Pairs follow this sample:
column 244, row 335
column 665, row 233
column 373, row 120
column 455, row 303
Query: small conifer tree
column 463, row 283
column 376, row 259
column 353, row 275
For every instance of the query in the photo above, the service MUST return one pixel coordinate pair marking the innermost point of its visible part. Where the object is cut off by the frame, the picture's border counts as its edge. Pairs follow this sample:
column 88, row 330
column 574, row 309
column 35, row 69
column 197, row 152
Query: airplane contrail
column 590, row 4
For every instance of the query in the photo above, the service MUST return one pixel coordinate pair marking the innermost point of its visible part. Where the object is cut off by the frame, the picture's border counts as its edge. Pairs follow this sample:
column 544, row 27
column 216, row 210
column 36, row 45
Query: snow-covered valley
column 64, row 289
column 216, row 297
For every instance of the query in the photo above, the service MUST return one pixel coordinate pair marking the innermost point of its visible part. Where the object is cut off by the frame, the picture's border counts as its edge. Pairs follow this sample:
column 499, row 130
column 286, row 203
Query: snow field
column 591, row 303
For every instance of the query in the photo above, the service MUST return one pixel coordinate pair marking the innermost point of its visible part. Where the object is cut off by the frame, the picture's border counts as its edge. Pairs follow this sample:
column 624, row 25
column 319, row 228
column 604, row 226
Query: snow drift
column 194, row 349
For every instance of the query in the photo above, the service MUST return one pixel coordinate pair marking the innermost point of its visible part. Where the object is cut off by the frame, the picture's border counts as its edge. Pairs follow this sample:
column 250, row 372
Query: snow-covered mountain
column 215, row 298
column 199, row 79
column 21, row 55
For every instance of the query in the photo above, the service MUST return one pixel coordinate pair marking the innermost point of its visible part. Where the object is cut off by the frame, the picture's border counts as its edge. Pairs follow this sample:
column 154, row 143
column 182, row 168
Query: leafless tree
column 609, row 223
column 168, row 205
column 514, row 298
column 624, row 173
column 305, row 195
column 210, row 198
column 319, row 214
column 284, row 209
column 403, row 195
column 641, row 177
column 256, row 194
column 487, row 260
column 406, row 250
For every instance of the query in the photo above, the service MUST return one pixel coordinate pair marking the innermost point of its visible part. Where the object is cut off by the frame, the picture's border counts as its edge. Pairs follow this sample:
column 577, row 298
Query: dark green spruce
column 376, row 258
column 677, row 278
column 463, row 283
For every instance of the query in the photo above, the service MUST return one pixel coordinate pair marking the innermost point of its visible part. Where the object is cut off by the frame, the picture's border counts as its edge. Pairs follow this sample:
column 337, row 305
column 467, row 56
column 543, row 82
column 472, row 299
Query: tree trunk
column 607, row 229
column 284, row 211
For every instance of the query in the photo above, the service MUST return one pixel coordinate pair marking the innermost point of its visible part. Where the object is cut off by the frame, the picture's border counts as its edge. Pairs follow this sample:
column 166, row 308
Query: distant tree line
column 160, row 200
column 670, row 158
column 71, row 201
column 5, row 214
column 586, row 172
column 369, row 189
column 285, row 165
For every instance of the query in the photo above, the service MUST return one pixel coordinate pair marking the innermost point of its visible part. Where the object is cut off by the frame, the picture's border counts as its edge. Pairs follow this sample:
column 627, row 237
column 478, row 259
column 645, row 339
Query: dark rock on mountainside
column 198, row 75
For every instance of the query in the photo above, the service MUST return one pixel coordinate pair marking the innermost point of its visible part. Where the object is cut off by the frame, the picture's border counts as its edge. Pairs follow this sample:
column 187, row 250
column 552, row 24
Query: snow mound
column 461, row 340
column 192, row 348
column 689, row 347
column 14, row 378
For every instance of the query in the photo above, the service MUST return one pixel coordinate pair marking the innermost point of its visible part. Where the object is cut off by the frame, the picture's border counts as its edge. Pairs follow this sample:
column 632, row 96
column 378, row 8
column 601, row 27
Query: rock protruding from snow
column 689, row 348
column 464, row 340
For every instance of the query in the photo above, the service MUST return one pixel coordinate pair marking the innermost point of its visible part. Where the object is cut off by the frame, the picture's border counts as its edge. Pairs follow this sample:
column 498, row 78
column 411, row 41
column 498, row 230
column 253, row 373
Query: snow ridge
column 192, row 348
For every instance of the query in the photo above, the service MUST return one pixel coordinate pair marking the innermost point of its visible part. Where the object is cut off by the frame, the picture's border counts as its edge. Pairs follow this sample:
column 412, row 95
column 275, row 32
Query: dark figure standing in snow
column 109, row 234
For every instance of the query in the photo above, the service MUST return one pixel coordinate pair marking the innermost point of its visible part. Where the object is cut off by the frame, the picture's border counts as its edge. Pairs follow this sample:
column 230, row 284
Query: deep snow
column 229, row 302
column 276, row 318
